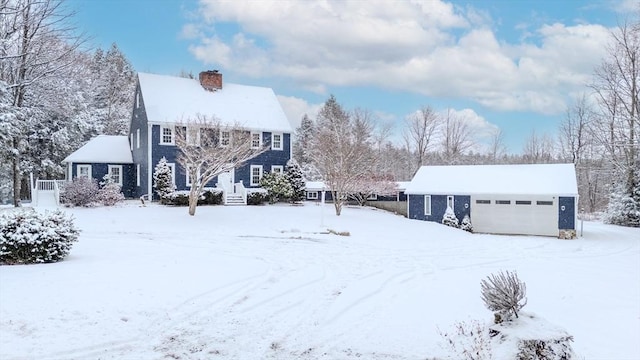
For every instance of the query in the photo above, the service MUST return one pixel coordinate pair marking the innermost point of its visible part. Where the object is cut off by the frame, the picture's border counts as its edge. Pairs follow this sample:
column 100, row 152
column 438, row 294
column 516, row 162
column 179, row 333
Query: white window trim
column 277, row 167
column 172, row 166
column 312, row 195
column 229, row 139
column 173, row 135
column 372, row 197
column 137, row 139
column 453, row 201
column 427, row 211
column 273, row 147
column 119, row 167
column 191, row 141
column 259, row 140
column 78, row 172
column 131, row 141
column 137, row 174
column 252, row 183
column 187, row 178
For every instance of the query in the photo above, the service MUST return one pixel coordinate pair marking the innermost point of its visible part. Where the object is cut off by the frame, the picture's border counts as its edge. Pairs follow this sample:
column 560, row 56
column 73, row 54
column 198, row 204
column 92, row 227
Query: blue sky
column 513, row 65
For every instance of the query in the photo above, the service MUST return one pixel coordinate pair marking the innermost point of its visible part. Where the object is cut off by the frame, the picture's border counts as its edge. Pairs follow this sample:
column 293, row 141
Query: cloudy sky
column 513, row 65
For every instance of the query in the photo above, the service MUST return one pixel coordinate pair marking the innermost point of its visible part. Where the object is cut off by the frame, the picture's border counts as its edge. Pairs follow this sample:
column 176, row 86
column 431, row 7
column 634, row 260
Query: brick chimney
column 211, row 80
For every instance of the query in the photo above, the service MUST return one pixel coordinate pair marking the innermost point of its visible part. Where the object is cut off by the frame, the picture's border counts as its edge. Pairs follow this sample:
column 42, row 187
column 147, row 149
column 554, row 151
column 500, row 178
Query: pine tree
column 466, row 224
column 450, row 218
column 277, row 186
column 162, row 179
column 303, row 136
column 293, row 173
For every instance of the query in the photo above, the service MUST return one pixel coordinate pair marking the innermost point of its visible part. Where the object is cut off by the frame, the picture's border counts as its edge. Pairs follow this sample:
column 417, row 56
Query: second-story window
column 256, row 140
column 193, row 136
column 166, row 136
column 225, row 138
column 276, row 141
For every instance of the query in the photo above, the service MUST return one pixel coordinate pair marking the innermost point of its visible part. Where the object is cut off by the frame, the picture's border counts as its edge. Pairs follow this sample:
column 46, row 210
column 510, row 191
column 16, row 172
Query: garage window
column 427, row 204
column 483, row 201
column 503, row 202
column 544, row 202
column 523, row 202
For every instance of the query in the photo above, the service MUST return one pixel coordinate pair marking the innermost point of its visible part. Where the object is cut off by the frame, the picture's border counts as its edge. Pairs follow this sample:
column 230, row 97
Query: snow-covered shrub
column 277, row 186
column 210, row 197
column 504, row 294
column 80, row 192
column 623, row 208
column 549, row 349
column 163, row 179
column 28, row 237
column 294, row 175
column 256, row 198
column 449, row 218
column 109, row 193
column 468, row 340
column 466, row 224
column 181, row 198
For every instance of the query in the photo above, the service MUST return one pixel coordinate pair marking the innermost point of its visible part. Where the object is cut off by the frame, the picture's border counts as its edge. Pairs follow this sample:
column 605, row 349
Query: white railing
column 225, row 191
column 47, row 185
column 240, row 189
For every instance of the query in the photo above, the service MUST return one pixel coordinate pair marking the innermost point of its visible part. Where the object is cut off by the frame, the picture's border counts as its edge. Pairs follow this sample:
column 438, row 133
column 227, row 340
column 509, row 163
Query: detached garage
column 539, row 199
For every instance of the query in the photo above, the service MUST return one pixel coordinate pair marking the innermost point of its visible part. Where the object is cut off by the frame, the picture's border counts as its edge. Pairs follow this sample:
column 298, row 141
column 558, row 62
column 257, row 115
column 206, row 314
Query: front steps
column 235, row 199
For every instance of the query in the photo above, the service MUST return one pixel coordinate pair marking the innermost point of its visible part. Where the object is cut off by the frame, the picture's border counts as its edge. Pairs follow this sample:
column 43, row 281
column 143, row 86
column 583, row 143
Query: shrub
column 162, row 179
column 505, row 294
column 110, row 194
column 450, row 218
column 293, row 174
column 181, row 198
column 256, row 198
column 210, row 197
column 549, row 349
column 469, row 341
column 466, row 224
column 277, row 187
column 28, row 237
column 80, row 192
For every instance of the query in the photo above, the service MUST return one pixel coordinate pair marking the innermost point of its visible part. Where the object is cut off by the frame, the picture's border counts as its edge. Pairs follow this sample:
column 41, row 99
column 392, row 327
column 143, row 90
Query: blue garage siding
column 99, row 170
column 461, row 207
column 566, row 213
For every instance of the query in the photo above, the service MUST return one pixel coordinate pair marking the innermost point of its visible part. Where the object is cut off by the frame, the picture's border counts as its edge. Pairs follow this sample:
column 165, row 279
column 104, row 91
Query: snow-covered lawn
column 268, row 282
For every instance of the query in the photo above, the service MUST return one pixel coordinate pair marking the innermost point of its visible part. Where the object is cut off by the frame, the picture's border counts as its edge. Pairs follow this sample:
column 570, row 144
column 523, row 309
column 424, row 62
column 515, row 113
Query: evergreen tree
column 303, row 136
column 624, row 209
column 466, row 224
column 162, row 179
column 450, row 218
column 293, row 173
column 277, row 186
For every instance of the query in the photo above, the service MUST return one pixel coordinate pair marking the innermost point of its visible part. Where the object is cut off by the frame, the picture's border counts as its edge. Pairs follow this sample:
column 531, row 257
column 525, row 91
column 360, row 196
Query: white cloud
column 430, row 48
column 295, row 108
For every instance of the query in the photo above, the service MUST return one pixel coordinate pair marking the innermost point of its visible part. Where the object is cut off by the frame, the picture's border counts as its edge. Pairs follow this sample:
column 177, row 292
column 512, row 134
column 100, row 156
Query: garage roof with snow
column 534, row 179
column 171, row 99
column 103, row 149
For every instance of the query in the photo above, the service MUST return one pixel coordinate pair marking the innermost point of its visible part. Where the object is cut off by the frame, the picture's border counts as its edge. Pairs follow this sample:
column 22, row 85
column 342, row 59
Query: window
column 503, row 202
column 256, row 174
column 131, row 141
column 137, row 139
column 483, row 201
column 312, row 195
column 188, row 177
column 115, row 174
column 372, row 197
column 84, row 171
column 225, row 138
column 544, row 202
column 276, row 141
column 137, row 174
column 166, row 136
column 277, row 169
column 427, row 204
column 172, row 166
column 256, row 140
column 192, row 136
column 523, row 202
column 450, row 202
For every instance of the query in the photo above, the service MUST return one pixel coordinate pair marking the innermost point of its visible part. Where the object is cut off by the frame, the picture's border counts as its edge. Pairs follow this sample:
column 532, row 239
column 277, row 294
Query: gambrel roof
column 171, row 99
column 103, row 149
column 534, row 179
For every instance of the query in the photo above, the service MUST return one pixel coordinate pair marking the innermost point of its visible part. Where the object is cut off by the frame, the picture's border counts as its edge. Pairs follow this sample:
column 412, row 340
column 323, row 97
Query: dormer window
column 276, row 141
column 256, row 140
column 225, row 138
column 166, row 136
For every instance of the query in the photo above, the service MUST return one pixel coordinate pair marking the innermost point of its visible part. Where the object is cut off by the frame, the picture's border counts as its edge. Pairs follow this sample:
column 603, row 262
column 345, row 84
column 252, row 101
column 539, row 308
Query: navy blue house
column 161, row 103
column 527, row 199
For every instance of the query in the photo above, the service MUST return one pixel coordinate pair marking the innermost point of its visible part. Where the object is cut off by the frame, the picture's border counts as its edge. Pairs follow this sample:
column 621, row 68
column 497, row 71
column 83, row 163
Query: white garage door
column 525, row 215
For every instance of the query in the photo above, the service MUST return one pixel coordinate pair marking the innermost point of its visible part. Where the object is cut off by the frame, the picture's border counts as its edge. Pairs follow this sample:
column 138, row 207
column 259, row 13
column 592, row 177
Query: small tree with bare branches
column 208, row 148
column 504, row 293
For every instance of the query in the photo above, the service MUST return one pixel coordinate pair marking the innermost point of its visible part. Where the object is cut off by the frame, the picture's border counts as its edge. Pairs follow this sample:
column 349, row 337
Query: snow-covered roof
column 535, row 179
column 315, row 186
column 103, row 149
column 170, row 99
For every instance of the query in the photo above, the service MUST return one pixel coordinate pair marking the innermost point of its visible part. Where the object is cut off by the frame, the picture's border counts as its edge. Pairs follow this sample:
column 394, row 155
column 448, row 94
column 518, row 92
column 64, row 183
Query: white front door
column 226, row 180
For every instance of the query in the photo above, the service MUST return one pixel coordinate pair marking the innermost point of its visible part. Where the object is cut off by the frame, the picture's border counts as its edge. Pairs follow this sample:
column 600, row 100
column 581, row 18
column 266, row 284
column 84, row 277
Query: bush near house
column 80, row 192
column 181, row 198
column 449, row 218
column 257, row 197
column 29, row 237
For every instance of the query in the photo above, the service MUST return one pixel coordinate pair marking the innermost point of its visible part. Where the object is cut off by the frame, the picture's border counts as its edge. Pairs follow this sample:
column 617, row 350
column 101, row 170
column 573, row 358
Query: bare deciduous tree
column 419, row 133
column 538, row 149
column 497, row 148
column 204, row 154
column 456, row 137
